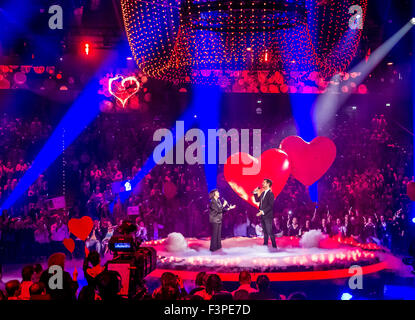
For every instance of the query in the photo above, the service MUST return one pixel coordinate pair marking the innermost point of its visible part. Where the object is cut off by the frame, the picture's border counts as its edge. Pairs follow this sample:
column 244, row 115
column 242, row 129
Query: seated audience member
column 245, row 283
column 88, row 294
column 69, row 285
column 37, row 272
column 27, row 273
column 94, row 240
column 264, row 291
column 171, row 288
column 200, row 282
column 109, row 286
column 13, row 290
column 38, row 292
column 214, row 290
column 297, row 296
column 91, row 272
column 241, row 295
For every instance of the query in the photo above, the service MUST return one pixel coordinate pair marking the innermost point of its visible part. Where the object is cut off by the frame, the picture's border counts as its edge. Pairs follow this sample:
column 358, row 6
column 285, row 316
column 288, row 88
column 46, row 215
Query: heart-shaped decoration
column 81, row 228
column 410, row 190
column 244, row 173
column 123, row 88
column 309, row 161
column 69, row 244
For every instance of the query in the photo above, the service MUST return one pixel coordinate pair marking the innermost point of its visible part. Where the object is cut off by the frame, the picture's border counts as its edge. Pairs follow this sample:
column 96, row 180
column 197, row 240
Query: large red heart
column 123, row 88
column 309, row 161
column 69, row 244
column 244, row 173
column 81, row 228
column 410, row 190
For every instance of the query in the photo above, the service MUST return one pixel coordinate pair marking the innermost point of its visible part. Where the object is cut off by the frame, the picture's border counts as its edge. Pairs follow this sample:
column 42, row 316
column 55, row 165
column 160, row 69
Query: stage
column 294, row 260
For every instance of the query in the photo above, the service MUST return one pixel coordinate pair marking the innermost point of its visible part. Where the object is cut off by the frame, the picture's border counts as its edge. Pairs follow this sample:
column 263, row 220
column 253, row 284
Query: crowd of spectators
column 363, row 195
column 103, row 284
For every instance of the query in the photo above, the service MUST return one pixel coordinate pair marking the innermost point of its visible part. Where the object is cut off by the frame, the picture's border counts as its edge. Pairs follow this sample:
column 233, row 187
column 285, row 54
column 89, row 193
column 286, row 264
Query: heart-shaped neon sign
column 123, row 88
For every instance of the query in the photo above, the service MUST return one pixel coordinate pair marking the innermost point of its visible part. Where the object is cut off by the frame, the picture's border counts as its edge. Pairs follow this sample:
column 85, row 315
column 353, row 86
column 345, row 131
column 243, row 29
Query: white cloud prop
column 311, row 239
column 176, row 242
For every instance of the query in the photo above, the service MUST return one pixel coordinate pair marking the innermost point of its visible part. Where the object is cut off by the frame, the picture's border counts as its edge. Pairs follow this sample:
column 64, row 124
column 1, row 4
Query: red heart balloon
column 244, row 173
column 410, row 190
column 309, row 161
column 81, row 228
column 69, row 244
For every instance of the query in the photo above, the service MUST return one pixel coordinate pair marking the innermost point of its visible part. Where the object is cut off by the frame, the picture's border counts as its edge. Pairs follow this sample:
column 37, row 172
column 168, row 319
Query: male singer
column 216, row 209
column 266, row 210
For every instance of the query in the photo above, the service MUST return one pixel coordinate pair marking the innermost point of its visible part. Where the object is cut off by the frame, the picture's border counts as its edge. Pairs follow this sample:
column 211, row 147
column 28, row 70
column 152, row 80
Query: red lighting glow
column 282, row 276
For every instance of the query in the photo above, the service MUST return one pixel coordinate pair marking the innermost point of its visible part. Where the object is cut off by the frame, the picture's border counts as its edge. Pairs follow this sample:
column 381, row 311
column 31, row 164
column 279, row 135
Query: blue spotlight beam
column 328, row 103
column 302, row 106
column 204, row 110
column 84, row 110
column 207, row 100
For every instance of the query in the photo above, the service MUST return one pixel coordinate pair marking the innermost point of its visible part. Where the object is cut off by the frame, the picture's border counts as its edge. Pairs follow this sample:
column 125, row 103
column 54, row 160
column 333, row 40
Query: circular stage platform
column 294, row 260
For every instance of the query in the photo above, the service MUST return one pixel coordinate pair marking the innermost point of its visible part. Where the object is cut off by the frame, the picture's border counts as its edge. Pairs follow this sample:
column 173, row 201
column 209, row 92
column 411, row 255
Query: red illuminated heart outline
column 116, row 86
column 272, row 164
column 81, row 228
column 309, row 161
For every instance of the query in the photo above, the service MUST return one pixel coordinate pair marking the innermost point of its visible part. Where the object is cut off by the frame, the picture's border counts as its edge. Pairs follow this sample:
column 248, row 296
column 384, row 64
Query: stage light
column 413, row 220
column 354, row 108
column 346, row 296
column 328, row 103
column 259, row 101
column 127, row 186
column 129, row 58
column 87, row 48
column 413, row 21
column 388, row 104
column 390, row 63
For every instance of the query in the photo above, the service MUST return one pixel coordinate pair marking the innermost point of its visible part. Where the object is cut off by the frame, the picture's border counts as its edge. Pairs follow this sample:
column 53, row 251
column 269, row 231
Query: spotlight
column 413, row 220
column 259, row 101
column 86, row 48
column 127, row 186
column 346, row 296
column 413, row 21
column 354, row 108
column 388, row 104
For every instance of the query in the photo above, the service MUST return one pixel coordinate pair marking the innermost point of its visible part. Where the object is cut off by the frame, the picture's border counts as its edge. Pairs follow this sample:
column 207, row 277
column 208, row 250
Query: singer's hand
column 225, row 203
column 232, row 207
column 260, row 213
column 256, row 190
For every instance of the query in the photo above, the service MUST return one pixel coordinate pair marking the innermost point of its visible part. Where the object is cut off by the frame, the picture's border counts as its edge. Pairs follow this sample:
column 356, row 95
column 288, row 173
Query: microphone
column 257, row 189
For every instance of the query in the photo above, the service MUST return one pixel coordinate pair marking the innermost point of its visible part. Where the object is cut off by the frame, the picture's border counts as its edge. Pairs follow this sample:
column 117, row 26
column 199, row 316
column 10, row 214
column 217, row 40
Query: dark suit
column 215, row 218
column 266, row 204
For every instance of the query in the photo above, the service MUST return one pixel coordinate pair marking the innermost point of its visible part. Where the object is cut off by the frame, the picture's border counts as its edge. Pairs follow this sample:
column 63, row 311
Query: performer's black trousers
column 267, row 228
column 215, row 241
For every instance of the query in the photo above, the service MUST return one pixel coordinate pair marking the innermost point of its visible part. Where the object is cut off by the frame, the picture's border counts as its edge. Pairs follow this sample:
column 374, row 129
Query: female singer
column 216, row 209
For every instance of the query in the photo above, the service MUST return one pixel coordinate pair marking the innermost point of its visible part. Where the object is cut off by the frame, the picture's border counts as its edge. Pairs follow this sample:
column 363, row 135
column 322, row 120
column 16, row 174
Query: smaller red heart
column 309, row 160
column 81, row 228
column 410, row 190
column 69, row 244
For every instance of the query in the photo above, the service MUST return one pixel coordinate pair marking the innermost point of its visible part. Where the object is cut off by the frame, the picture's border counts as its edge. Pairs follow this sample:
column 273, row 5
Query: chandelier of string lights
column 192, row 40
